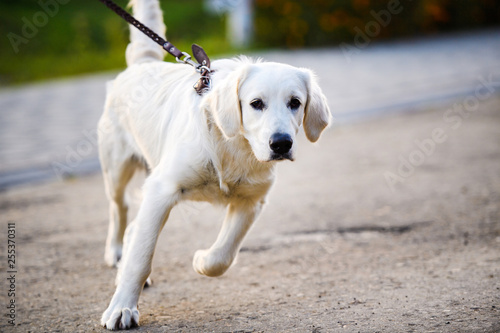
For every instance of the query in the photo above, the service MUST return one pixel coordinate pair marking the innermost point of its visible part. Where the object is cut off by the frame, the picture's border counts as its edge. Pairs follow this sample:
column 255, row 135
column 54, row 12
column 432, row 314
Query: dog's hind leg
column 118, row 166
column 219, row 257
column 116, row 180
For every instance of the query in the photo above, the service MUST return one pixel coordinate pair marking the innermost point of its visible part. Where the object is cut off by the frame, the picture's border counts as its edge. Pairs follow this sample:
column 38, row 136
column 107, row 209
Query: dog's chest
column 208, row 187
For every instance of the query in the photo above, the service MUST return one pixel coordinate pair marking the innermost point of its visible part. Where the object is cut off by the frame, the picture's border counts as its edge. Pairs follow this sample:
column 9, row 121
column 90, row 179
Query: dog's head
column 267, row 103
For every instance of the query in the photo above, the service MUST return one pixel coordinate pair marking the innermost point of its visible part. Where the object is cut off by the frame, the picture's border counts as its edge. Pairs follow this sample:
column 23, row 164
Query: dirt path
column 336, row 250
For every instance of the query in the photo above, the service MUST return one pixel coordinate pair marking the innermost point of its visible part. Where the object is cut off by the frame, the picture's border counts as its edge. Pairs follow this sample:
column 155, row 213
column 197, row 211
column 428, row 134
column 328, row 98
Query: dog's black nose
column 280, row 143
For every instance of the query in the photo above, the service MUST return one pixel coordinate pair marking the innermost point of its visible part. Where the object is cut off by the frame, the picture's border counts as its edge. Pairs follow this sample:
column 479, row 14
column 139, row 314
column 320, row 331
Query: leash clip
column 203, row 67
column 185, row 58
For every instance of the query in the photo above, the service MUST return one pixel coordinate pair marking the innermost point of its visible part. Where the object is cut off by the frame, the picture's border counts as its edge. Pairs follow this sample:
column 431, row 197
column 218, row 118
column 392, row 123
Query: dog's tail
column 141, row 48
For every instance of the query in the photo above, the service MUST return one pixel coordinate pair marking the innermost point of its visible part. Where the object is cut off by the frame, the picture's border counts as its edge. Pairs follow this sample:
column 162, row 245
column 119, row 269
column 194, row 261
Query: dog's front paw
column 120, row 318
column 210, row 263
column 112, row 255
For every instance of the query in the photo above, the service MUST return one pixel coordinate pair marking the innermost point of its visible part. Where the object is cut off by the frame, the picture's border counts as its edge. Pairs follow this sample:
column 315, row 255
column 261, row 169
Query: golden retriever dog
column 221, row 147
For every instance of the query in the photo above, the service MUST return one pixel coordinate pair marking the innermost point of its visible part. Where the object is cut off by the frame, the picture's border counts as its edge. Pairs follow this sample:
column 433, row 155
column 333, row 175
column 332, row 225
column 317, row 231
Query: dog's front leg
column 158, row 200
column 216, row 260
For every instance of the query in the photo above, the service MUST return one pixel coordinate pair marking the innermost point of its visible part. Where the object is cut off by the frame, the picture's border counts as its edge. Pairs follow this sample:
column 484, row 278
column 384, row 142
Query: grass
column 84, row 36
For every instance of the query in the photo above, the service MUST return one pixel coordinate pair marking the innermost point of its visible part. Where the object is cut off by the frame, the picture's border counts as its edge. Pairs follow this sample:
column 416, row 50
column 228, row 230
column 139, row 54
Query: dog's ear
column 223, row 102
column 317, row 114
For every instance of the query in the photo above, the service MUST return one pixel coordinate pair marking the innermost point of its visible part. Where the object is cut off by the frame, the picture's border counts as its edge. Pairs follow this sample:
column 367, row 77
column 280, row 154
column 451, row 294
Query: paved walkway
column 46, row 129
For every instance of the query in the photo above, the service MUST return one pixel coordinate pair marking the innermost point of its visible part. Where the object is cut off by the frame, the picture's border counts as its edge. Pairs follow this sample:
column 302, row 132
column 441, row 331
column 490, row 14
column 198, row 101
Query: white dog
column 221, row 147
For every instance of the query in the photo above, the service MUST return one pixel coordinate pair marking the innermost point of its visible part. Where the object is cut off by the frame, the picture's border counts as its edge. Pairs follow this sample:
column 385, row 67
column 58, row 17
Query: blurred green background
column 84, row 36
column 297, row 23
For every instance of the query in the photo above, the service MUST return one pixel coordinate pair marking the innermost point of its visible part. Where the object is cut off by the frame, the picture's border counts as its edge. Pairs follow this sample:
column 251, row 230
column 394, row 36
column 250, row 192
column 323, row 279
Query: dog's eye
column 257, row 104
column 294, row 103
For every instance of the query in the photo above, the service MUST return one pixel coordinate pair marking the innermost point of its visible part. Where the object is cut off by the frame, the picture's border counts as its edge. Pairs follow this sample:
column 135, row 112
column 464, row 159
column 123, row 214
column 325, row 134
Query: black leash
column 203, row 66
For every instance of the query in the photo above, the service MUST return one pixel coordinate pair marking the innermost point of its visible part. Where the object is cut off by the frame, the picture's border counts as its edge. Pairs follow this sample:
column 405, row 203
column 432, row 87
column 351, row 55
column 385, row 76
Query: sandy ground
column 336, row 249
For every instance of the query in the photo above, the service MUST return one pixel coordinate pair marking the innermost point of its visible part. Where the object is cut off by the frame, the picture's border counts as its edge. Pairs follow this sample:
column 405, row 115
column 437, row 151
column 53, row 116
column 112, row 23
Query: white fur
column 212, row 148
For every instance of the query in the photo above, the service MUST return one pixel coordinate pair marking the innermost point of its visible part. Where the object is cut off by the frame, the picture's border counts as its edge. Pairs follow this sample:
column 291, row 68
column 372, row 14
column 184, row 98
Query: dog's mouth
column 281, row 157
